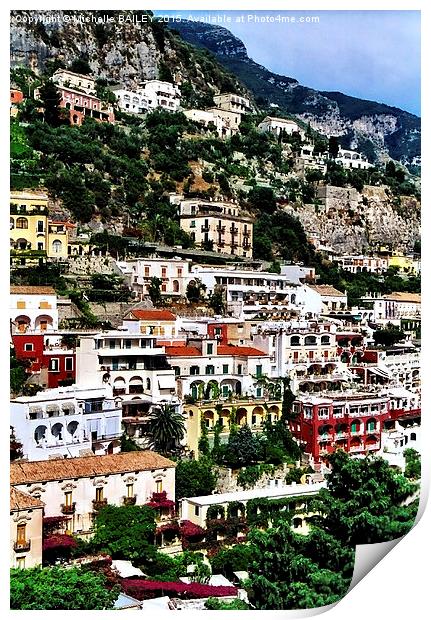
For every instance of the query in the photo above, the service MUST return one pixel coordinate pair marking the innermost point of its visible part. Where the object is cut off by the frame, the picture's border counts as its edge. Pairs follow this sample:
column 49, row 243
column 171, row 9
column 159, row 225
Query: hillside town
column 186, row 385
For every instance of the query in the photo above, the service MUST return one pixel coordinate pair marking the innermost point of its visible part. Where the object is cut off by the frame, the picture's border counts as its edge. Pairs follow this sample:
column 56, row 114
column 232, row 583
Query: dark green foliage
column 18, row 374
column 194, row 478
column 282, row 235
column 59, row 588
column 389, row 336
column 80, row 65
column 128, row 445
column 262, row 198
column 15, row 446
column 154, row 291
column 125, row 532
column 229, row 560
column 218, row 605
column 195, row 290
column 166, row 428
column 217, row 302
column 243, row 448
column 333, row 146
column 413, row 464
column 50, row 98
column 107, row 287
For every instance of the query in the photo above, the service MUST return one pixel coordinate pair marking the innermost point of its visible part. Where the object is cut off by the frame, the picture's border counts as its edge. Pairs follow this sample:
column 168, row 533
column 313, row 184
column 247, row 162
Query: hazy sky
column 369, row 54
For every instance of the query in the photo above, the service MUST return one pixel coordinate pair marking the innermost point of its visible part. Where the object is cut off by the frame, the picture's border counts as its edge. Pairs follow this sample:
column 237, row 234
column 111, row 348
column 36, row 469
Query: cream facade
column 33, row 309
column 159, row 94
column 174, row 274
column 277, row 126
column 225, row 124
column 74, row 487
column 232, row 103
column 218, row 223
column 26, row 518
column 352, row 159
column 332, row 299
column 77, row 81
column 363, row 264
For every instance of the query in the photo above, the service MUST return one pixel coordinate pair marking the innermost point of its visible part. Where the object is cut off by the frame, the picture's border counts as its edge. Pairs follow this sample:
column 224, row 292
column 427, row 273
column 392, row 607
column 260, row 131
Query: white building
column 306, row 351
column 332, row 299
column 307, row 160
column 173, row 272
column 277, row 126
column 298, row 273
column 33, row 309
column 131, row 101
column 252, row 292
column 208, row 370
column 393, row 307
column 76, row 81
column 224, row 124
column 164, row 95
column 363, row 264
column 352, row 159
column 67, row 422
column 396, row 440
column 76, row 487
column 131, row 363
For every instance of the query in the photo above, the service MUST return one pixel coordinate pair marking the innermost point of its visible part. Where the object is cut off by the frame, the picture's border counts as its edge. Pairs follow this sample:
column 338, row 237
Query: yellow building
column 253, row 412
column 33, row 236
column 406, row 264
column 26, row 514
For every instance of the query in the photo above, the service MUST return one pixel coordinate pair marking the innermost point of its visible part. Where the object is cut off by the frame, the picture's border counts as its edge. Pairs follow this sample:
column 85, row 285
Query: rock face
column 378, row 130
column 128, row 49
column 353, row 222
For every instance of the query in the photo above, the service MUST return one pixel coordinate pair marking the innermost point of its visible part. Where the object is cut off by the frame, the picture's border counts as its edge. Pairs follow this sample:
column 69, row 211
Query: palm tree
column 167, row 428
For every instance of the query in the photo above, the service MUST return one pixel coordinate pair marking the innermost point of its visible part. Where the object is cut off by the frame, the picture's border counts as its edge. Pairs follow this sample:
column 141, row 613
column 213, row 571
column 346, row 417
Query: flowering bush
column 170, row 530
column 52, row 524
column 58, row 542
column 191, row 530
column 160, row 500
column 143, row 589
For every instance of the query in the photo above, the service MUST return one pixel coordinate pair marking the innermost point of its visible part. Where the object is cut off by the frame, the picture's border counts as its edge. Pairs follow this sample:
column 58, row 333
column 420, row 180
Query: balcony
column 356, row 433
column 205, row 229
column 327, row 437
column 221, row 229
column 22, row 545
column 233, row 230
column 99, row 503
column 356, row 449
column 129, row 501
column 68, row 509
column 339, row 436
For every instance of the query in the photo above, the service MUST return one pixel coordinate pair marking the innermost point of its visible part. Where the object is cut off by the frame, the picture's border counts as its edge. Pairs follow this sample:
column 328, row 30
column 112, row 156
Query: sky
column 368, row 54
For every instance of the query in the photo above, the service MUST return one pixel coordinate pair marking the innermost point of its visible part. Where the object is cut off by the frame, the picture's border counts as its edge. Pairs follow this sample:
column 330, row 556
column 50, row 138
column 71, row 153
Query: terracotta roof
column 326, row 289
column 32, row 290
column 23, row 501
column 230, row 349
column 182, row 351
column 84, row 466
column 414, row 298
column 153, row 315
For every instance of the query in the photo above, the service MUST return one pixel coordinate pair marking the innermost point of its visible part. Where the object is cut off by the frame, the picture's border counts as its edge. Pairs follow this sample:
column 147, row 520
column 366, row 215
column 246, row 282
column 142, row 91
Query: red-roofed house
column 205, row 369
column 155, row 322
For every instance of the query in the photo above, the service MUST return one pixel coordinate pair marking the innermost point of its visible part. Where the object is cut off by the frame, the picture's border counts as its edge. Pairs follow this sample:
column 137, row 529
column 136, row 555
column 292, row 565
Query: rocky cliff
column 378, row 130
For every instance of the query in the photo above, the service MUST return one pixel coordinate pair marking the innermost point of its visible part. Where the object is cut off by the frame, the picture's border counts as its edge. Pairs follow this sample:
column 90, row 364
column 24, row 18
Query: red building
column 351, row 422
column 16, row 96
column 350, row 346
column 218, row 331
column 82, row 104
column 55, row 364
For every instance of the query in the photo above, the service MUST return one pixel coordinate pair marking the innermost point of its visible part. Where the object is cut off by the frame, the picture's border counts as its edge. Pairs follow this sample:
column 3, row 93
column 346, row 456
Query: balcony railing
column 22, row 545
column 356, row 449
column 68, row 509
column 129, row 501
column 99, row 503
column 205, row 229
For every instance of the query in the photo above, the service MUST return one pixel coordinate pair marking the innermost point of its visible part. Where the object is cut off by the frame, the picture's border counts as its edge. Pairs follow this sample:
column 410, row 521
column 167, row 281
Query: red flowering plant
column 57, row 547
column 52, row 525
column 145, row 589
column 160, row 501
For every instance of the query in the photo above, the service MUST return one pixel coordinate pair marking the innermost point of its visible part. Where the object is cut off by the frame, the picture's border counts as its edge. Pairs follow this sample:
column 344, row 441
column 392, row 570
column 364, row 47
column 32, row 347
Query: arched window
column 413, row 436
column 176, row 286
column 22, row 222
column 56, row 246
column 295, row 341
column 293, row 298
column 325, row 340
column 310, row 340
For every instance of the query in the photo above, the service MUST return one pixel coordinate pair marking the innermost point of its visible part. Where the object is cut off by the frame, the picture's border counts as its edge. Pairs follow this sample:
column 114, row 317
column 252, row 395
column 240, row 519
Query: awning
column 167, row 383
column 379, row 372
column 136, row 381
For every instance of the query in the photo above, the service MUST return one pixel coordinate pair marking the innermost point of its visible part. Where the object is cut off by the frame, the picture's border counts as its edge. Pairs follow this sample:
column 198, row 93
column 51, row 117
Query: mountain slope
column 377, row 129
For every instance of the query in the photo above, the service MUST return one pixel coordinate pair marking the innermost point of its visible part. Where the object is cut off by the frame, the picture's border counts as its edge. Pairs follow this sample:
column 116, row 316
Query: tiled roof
column 84, row 466
column 153, row 315
column 414, row 298
column 32, row 290
column 23, row 501
column 230, row 349
column 326, row 289
column 182, row 351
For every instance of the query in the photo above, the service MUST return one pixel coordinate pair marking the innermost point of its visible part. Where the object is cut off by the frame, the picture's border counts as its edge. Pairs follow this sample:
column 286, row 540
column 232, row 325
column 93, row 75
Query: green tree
column 15, row 446
column 389, row 336
column 231, row 559
column 195, row 290
column 80, row 65
column 51, row 98
column 262, row 198
column 194, row 478
column 363, row 502
column 333, row 146
column 216, row 604
column 166, row 428
column 216, row 300
column 203, row 443
column 18, row 374
column 154, row 291
column 128, row 445
column 125, row 532
column 59, row 588
column 243, row 447
column 413, row 464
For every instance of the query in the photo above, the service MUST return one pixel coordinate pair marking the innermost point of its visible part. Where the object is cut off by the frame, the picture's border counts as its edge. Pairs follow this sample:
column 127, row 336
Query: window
column 209, row 370
column 146, row 271
column 129, row 488
column 28, row 346
column 99, row 494
column 128, row 344
column 68, row 498
column 20, row 305
column 259, row 392
column 54, row 364
column 68, row 363
column 159, row 486
column 210, row 348
column 164, row 271
column 259, row 370
column 194, row 370
column 240, row 369
column 20, row 533
column 20, row 562
column 177, row 370
column 148, row 384
column 22, row 223
column 197, row 511
column 40, row 226
column 225, row 369
column 112, row 344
